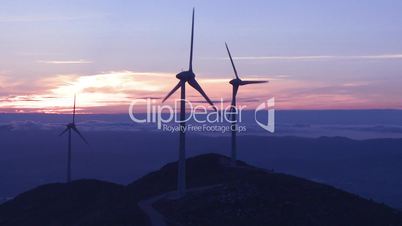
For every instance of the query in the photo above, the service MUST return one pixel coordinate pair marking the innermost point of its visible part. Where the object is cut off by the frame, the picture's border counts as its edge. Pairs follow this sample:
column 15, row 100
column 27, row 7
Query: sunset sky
column 316, row 54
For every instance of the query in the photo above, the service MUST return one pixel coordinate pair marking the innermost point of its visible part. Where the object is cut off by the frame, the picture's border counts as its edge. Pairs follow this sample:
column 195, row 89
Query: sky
column 316, row 54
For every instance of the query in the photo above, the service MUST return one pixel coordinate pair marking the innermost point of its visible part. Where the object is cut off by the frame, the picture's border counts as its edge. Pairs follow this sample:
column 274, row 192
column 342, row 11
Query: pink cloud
column 112, row 92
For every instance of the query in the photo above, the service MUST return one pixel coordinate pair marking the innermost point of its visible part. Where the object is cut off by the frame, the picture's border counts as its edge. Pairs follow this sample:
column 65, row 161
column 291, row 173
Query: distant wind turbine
column 185, row 76
column 71, row 127
column 236, row 82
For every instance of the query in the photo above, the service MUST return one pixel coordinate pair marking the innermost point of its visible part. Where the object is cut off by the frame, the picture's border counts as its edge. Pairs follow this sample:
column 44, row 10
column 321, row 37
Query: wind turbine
column 69, row 128
column 185, row 76
column 236, row 82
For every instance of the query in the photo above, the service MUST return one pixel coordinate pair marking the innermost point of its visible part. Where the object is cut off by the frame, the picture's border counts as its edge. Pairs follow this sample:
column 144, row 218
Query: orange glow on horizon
column 112, row 92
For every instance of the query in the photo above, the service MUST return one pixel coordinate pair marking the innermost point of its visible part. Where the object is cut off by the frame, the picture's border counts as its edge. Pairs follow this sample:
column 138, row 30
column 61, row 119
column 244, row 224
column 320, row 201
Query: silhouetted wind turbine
column 71, row 127
column 236, row 82
column 185, row 76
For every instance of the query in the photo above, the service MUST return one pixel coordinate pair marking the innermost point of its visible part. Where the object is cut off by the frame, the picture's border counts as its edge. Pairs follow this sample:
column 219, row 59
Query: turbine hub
column 235, row 81
column 185, row 75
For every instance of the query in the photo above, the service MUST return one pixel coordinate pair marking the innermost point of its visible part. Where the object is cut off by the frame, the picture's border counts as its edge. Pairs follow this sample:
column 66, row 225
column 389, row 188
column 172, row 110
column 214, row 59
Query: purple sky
column 317, row 55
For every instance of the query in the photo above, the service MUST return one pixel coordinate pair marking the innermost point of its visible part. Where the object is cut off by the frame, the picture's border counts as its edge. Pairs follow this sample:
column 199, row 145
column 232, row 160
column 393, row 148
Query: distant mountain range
column 370, row 168
column 355, row 124
column 219, row 195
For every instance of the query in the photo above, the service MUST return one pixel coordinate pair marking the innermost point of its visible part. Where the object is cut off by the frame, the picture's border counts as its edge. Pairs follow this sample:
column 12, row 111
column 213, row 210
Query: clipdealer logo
column 199, row 117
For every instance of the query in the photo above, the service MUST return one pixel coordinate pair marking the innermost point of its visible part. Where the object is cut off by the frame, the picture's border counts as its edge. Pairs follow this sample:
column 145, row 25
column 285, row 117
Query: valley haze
column 355, row 150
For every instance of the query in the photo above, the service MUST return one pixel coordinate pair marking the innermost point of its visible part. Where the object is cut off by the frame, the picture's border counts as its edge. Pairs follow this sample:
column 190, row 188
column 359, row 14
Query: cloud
column 45, row 18
column 248, row 77
column 306, row 128
column 320, row 57
column 86, row 125
column 113, row 90
column 28, row 125
column 81, row 61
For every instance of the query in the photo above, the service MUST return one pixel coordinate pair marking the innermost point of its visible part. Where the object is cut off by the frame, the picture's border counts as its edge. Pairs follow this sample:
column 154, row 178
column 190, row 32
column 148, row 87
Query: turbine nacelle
column 235, row 82
column 185, row 76
column 71, row 125
column 239, row 82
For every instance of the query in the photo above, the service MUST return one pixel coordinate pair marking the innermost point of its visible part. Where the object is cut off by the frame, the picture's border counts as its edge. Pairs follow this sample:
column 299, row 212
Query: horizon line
column 247, row 110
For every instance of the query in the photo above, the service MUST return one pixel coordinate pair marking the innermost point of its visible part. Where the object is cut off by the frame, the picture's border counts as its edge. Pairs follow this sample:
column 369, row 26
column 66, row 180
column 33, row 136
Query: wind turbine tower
column 236, row 83
column 185, row 77
column 71, row 127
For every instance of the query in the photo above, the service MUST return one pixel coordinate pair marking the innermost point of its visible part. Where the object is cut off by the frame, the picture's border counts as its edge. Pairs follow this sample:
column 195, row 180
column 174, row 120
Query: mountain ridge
column 267, row 197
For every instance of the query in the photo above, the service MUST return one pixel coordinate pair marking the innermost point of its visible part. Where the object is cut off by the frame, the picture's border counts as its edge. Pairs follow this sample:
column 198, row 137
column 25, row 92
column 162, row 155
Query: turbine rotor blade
column 79, row 134
column 172, row 91
column 251, row 82
column 74, row 110
column 64, row 131
column 197, row 87
column 231, row 60
column 190, row 68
